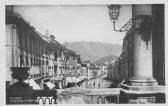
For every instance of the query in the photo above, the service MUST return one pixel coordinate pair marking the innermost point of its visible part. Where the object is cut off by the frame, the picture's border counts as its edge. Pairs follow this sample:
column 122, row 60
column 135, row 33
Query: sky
column 70, row 23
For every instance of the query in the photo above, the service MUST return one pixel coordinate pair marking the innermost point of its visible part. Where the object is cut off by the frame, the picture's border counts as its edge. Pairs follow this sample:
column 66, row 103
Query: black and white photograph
column 85, row 54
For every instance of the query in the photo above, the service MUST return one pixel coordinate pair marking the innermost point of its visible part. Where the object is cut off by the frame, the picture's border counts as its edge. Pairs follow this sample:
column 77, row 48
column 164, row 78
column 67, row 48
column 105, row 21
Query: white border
column 70, row 2
column 53, row 2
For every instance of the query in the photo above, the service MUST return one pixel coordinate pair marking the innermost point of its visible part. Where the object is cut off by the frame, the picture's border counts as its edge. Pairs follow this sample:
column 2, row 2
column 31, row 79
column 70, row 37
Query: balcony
column 14, row 96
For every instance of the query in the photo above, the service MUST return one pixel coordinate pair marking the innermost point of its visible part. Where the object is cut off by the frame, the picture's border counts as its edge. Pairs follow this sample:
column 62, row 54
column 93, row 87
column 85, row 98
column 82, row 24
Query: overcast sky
column 71, row 23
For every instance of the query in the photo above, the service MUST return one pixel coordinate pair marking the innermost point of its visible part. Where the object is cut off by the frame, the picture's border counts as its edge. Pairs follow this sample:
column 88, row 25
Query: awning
column 69, row 79
column 78, row 80
column 32, row 83
column 50, row 85
column 84, row 77
column 72, row 79
column 58, row 78
column 81, row 78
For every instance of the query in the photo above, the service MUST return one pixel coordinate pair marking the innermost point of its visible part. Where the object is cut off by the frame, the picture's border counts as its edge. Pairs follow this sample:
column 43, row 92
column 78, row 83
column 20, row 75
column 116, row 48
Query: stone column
column 142, row 51
column 142, row 87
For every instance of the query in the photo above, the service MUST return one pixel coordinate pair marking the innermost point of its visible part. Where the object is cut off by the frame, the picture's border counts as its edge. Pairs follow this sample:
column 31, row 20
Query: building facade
column 25, row 47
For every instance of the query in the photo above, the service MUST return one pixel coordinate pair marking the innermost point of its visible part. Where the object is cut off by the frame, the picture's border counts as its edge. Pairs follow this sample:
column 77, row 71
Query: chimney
column 52, row 37
column 9, row 9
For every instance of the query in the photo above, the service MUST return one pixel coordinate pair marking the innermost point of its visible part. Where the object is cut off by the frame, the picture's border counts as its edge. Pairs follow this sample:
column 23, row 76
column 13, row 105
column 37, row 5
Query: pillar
column 142, row 51
column 142, row 87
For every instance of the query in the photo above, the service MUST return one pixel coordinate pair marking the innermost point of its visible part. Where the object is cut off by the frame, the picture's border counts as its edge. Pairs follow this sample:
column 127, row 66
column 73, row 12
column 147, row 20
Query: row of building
column 25, row 47
column 139, row 71
column 122, row 67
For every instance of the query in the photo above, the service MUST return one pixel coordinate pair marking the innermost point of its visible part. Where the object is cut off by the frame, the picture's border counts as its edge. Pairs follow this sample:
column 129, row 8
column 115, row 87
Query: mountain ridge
column 92, row 51
column 105, row 59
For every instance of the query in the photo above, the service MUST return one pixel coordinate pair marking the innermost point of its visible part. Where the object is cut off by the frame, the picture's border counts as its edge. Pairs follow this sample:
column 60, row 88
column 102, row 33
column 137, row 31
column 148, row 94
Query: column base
column 142, row 81
column 142, row 94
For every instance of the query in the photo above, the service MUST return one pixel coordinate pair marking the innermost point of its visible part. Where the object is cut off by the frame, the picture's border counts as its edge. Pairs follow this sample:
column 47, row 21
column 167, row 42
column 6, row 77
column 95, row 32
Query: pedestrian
column 94, row 84
column 99, row 85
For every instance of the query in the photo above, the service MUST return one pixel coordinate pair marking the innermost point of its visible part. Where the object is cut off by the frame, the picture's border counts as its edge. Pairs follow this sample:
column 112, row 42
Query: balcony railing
column 30, row 97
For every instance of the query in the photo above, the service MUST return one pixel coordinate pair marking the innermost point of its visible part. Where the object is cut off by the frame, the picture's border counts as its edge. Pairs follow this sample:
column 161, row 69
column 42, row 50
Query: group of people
column 94, row 84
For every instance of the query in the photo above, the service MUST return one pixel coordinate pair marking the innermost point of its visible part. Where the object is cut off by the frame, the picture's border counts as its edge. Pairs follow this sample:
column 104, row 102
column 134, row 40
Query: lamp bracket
column 138, row 23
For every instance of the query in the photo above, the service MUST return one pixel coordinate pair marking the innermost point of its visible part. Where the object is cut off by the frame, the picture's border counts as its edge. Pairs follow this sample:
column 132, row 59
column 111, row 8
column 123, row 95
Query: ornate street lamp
column 141, row 23
column 114, row 12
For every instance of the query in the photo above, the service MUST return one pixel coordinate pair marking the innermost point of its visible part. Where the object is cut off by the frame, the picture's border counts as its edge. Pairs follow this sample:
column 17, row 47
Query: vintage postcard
column 84, row 53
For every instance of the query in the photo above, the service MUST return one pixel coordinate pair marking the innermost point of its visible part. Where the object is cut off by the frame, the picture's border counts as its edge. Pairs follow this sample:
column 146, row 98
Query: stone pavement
column 87, row 94
column 78, row 95
column 99, row 83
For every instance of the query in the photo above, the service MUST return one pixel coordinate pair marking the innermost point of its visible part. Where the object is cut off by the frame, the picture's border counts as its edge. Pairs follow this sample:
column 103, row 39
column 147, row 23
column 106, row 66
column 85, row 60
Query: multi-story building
column 25, row 47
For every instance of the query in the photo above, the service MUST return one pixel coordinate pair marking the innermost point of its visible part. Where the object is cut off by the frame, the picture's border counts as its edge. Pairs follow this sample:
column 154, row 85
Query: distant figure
column 94, row 84
column 78, row 84
column 99, row 85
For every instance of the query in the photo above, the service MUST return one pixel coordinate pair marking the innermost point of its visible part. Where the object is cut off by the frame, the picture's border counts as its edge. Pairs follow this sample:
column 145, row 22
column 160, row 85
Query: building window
column 36, row 47
column 21, row 60
column 46, row 62
column 43, row 62
column 32, row 46
column 27, row 61
column 20, row 37
column 34, row 61
column 30, row 49
column 28, row 43
column 31, row 59
column 25, row 41
column 39, row 62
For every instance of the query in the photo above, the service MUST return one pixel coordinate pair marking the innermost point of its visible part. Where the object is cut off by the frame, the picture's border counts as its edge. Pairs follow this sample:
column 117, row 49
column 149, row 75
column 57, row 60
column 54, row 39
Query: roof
column 14, row 18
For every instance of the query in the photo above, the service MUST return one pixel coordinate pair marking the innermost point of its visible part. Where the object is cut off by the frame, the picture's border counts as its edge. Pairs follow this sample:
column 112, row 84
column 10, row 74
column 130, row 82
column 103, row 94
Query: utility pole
column 88, row 65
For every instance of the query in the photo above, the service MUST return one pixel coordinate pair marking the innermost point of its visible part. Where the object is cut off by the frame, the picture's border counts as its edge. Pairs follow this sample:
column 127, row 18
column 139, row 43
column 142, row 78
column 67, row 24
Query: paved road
column 97, row 83
column 83, row 98
column 86, row 96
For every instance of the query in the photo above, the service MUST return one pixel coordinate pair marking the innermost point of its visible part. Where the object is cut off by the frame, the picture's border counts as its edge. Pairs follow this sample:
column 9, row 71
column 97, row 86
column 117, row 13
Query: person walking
column 94, row 84
column 99, row 85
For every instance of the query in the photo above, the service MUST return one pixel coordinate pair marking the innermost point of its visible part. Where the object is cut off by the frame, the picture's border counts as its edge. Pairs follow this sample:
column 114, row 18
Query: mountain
column 92, row 51
column 105, row 59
